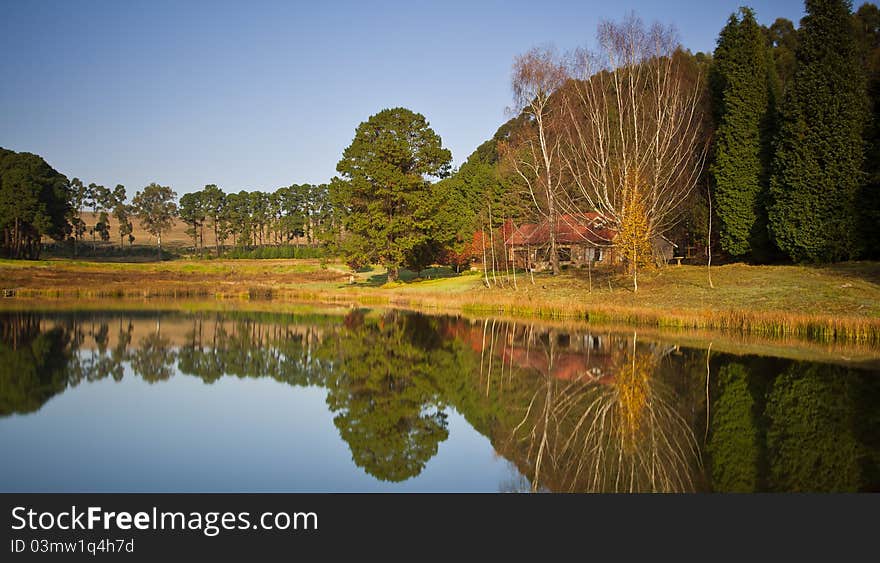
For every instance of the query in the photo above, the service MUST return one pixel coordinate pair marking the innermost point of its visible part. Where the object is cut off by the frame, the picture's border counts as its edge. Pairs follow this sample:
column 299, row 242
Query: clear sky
column 257, row 95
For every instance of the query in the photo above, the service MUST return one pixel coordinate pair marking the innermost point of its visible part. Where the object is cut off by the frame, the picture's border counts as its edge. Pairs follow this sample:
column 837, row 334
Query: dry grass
column 176, row 237
column 830, row 303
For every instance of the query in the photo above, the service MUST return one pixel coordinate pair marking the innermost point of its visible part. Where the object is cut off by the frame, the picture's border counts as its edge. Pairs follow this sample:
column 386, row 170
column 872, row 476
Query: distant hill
column 176, row 237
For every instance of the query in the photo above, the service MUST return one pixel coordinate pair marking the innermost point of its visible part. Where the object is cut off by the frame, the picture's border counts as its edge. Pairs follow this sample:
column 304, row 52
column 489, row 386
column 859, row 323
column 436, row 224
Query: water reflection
column 610, row 426
column 571, row 410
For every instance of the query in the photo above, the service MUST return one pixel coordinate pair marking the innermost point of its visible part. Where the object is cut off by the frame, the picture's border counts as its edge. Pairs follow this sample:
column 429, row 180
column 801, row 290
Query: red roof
column 568, row 365
column 570, row 229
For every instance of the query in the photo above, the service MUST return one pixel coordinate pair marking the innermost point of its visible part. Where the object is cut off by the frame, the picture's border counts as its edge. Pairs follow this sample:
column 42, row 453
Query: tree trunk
column 485, row 265
column 15, row 240
column 393, row 273
column 554, row 254
column 552, row 214
column 635, row 269
column 159, row 246
column 709, row 243
column 590, row 268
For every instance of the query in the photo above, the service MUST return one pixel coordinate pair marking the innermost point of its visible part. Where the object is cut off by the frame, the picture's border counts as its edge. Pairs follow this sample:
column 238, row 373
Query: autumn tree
column 635, row 113
column 634, row 241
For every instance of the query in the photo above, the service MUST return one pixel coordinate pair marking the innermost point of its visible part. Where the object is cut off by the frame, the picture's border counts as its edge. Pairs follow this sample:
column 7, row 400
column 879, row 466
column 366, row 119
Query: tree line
column 765, row 148
column 37, row 201
column 789, row 175
column 300, row 212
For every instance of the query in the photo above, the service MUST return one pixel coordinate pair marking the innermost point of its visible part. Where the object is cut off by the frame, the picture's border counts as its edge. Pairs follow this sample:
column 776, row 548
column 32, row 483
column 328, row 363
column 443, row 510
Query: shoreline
column 814, row 312
column 854, row 354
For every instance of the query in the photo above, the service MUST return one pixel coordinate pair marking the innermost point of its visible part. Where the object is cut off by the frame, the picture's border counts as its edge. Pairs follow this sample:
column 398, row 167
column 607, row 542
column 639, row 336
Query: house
column 581, row 239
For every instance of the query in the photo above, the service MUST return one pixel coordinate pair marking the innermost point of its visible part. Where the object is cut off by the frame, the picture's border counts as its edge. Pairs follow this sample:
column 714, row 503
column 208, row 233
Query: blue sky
column 256, row 95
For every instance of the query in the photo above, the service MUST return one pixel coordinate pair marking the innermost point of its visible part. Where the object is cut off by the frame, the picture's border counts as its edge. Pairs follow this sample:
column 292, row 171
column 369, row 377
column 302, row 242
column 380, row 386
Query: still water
column 365, row 400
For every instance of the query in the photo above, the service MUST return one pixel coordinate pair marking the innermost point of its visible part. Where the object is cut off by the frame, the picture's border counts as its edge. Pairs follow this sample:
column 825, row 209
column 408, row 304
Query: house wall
column 581, row 254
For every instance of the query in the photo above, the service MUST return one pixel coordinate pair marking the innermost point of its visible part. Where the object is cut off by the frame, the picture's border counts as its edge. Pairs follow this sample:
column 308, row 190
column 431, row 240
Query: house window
column 598, row 255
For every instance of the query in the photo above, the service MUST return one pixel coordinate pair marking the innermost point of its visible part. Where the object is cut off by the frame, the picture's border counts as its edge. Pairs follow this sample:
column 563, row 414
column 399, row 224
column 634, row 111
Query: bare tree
column 636, row 141
column 535, row 152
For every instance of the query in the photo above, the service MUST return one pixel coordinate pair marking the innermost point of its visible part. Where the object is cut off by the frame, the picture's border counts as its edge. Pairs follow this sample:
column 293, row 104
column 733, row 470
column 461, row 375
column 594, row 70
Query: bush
column 87, row 249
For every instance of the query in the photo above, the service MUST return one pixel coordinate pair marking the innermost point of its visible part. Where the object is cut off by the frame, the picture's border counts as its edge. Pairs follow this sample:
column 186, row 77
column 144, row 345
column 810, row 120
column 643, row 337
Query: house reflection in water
column 582, row 357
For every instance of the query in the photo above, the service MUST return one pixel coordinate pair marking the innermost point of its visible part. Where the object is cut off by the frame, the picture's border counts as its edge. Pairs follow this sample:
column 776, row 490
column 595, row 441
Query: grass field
column 176, row 237
column 837, row 302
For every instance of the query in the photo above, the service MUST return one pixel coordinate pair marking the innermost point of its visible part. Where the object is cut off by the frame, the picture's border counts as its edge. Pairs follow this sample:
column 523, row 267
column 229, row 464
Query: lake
column 387, row 400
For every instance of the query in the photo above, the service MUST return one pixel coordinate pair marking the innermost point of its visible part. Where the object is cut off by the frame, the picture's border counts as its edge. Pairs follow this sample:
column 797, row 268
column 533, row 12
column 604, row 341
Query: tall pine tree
column 819, row 155
column 745, row 87
column 866, row 22
column 384, row 197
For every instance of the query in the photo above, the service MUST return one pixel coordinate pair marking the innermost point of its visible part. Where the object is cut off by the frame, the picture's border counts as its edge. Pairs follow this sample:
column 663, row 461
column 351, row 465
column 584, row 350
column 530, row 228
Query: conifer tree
column 384, row 196
column 744, row 87
column 817, row 169
column 867, row 26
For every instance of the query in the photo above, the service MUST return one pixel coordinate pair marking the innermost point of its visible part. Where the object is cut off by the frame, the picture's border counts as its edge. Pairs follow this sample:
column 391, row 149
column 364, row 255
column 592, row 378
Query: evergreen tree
column 192, row 212
column 744, row 94
column 817, row 170
column 385, row 199
column 34, row 202
column 156, row 209
column 866, row 21
column 214, row 201
column 783, row 39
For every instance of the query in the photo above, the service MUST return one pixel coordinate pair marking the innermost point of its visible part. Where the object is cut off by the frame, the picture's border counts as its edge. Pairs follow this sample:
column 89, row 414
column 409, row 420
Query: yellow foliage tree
column 634, row 231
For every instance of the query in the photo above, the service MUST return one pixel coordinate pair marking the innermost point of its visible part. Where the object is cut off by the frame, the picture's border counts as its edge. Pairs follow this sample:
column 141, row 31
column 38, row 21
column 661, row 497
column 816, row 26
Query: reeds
column 817, row 327
column 768, row 301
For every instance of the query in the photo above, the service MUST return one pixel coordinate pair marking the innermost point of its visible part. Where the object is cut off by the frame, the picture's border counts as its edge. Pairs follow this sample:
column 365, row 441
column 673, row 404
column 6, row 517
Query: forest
column 763, row 151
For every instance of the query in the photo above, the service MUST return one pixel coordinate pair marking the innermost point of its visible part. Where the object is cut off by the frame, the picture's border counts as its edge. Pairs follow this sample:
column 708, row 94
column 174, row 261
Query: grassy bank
column 829, row 303
column 859, row 354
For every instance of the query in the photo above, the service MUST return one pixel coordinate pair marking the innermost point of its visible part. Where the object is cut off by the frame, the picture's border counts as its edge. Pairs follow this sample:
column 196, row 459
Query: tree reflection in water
column 613, row 432
column 33, row 363
column 382, row 386
column 569, row 410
